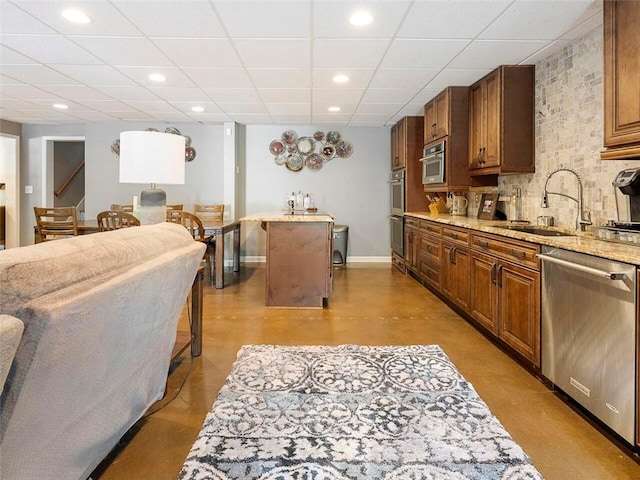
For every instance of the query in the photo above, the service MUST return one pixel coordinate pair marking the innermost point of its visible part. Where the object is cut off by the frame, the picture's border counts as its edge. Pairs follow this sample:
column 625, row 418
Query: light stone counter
column 282, row 216
column 582, row 242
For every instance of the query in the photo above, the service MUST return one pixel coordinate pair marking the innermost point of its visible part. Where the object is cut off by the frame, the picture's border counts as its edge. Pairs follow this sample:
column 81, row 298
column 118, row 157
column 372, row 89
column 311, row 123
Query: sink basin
column 538, row 231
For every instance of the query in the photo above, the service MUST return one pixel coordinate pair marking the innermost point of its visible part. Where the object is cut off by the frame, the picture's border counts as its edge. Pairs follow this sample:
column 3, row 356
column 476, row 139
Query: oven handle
column 583, row 268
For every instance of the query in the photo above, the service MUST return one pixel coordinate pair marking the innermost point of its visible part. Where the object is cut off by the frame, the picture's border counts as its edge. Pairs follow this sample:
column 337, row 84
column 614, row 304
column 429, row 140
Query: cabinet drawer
column 522, row 253
column 397, row 261
column 431, row 227
column 411, row 222
column 456, row 235
column 429, row 270
column 430, row 246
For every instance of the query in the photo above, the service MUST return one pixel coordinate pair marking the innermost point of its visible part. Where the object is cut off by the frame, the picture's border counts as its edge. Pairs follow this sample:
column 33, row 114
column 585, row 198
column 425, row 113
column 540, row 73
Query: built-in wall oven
column 433, row 164
column 397, row 211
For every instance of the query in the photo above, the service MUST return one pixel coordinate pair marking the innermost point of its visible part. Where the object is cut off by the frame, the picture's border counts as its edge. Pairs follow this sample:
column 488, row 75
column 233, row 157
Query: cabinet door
column 519, row 310
column 430, row 121
column 475, row 125
column 411, row 248
column 395, row 147
column 455, row 278
column 491, row 117
column 622, row 73
column 442, row 114
column 483, row 303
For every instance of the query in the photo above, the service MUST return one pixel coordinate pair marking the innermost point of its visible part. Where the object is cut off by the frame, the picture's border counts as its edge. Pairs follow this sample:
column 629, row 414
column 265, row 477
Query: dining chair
column 123, row 208
column 56, row 222
column 192, row 223
column 116, row 219
column 209, row 214
column 214, row 213
column 177, row 206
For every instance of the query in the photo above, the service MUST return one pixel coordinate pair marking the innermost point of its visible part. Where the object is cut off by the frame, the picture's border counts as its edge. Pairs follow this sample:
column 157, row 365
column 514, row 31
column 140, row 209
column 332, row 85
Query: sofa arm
column 10, row 334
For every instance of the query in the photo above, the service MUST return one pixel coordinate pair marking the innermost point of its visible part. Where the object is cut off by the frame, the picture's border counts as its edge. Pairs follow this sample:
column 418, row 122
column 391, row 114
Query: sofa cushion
column 10, row 333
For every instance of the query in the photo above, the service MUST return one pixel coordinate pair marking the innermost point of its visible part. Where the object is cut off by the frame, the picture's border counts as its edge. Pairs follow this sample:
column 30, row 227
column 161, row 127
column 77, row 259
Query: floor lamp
column 152, row 157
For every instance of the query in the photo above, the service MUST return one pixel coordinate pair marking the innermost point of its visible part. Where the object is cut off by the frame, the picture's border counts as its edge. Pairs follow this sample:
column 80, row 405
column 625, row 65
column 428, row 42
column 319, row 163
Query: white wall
column 354, row 189
column 203, row 176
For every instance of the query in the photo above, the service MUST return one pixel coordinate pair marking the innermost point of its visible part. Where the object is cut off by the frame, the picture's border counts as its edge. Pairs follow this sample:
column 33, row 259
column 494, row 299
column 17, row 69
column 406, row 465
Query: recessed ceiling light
column 157, row 77
column 60, row 106
column 197, row 109
column 360, row 18
column 76, row 16
column 340, row 78
column 334, row 109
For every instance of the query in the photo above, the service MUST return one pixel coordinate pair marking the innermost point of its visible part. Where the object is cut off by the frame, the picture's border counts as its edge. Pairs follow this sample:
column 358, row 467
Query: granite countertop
column 283, row 216
column 582, row 242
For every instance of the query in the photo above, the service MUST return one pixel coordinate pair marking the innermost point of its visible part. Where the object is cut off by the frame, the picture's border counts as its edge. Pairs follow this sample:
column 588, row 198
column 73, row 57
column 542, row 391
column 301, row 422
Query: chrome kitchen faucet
column 584, row 217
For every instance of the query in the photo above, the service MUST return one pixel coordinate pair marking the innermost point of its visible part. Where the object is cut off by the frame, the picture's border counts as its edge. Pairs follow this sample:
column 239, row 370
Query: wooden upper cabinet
column 436, row 117
column 501, row 122
column 406, row 142
column 621, row 79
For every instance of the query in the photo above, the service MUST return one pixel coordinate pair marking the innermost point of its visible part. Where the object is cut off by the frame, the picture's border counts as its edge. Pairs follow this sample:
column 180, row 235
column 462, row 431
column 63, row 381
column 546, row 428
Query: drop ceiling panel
column 199, row 52
column 105, row 19
column 461, row 19
column 49, row 49
column 194, row 19
column 27, row 92
column 280, row 78
column 348, row 53
column 330, row 19
column 262, row 19
column 140, row 75
column 407, row 77
column 274, row 52
column 95, row 74
column 37, row 75
column 11, row 57
column 457, row 77
column 180, row 94
column 119, row 51
column 493, row 53
column 358, row 77
column 527, row 20
column 343, row 95
column 417, row 53
column 15, row 20
column 285, row 95
column 235, row 95
column 127, row 93
column 219, row 77
column 79, row 92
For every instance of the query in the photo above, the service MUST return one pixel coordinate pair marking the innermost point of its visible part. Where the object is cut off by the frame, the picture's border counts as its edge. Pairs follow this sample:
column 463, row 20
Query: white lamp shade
column 151, row 157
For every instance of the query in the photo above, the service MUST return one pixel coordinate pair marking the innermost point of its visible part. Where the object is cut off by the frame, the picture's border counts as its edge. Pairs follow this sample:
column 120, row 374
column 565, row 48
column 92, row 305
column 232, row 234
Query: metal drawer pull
column 482, row 243
column 583, row 268
column 453, row 235
column 493, row 273
column 518, row 253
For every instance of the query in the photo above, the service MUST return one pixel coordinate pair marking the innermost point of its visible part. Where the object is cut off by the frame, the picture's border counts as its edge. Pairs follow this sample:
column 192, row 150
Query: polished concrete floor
column 371, row 304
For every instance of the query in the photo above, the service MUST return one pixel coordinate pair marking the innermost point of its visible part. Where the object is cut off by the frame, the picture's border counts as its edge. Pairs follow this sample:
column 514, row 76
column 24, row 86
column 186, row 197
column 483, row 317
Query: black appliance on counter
column 627, row 228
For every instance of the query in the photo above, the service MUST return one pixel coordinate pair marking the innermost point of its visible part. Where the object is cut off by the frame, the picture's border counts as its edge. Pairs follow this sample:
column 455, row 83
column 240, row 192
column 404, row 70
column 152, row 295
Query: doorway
column 9, row 191
column 61, row 158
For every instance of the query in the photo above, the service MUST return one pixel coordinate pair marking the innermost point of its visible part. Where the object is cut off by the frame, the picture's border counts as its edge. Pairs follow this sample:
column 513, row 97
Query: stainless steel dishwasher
column 588, row 334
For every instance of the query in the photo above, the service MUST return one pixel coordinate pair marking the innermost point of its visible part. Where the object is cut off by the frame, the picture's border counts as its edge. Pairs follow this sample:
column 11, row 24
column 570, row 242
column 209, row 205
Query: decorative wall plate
column 328, row 151
column 314, row 162
column 319, row 136
column 276, row 147
column 306, row 145
column 333, row 137
column 289, row 137
column 295, row 162
column 280, row 159
column 344, row 149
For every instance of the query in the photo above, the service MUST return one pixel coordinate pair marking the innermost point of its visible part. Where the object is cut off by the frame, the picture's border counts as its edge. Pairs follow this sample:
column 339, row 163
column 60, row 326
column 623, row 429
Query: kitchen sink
column 538, row 231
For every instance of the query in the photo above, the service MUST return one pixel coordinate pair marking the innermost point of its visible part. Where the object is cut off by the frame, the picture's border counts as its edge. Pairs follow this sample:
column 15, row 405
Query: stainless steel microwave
column 433, row 164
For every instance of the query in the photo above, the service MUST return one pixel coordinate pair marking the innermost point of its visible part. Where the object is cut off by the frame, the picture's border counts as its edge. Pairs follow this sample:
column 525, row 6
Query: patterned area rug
column 351, row 412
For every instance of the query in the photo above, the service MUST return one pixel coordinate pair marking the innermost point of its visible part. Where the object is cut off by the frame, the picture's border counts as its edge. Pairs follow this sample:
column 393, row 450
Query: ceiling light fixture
column 360, row 18
column 197, row 109
column 340, row 78
column 76, row 16
column 60, row 106
column 157, row 77
column 334, row 109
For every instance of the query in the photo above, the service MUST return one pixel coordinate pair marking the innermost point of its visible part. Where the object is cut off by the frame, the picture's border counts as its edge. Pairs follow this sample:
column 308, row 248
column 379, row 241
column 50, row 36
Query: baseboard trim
column 359, row 259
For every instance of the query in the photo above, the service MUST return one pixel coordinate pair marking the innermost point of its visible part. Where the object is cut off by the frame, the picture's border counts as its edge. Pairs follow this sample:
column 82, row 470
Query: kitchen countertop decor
column 582, row 242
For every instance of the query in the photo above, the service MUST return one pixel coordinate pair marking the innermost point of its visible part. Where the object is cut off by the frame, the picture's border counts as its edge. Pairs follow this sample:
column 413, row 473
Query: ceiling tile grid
column 264, row 61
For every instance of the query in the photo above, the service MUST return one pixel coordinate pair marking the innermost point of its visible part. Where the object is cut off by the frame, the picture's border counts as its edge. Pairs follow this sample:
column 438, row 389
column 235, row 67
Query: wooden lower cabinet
column 505, row 300
column 455, row 279
column 492, row 280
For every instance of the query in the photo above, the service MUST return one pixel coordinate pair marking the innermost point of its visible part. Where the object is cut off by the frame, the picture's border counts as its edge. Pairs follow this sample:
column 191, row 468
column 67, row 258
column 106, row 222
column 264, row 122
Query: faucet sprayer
column 583, row 218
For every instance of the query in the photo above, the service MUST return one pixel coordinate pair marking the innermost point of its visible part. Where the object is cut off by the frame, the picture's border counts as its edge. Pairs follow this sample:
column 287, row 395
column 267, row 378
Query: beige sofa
column 100, row 315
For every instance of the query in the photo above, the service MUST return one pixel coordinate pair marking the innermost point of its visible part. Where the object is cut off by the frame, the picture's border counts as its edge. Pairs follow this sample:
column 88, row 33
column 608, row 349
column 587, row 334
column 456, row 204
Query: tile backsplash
column 569, row 133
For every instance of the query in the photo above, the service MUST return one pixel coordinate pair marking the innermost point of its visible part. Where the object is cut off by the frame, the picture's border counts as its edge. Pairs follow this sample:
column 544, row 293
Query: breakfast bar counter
column 299, row 267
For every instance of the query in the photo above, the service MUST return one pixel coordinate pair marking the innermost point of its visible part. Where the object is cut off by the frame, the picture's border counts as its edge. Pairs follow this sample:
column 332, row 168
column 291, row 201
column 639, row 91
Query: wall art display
column 295, row 152
column 189, row 151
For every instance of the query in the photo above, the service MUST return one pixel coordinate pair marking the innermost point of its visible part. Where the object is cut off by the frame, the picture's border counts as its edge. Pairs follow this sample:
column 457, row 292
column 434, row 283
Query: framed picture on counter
column 487, row 207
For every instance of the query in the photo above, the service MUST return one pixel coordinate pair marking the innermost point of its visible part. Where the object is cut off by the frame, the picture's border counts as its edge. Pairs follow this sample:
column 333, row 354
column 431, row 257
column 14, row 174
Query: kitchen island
column 299, row 257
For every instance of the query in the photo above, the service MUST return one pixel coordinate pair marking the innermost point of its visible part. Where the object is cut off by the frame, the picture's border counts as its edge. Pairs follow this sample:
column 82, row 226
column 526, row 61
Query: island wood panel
column 299, row 265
